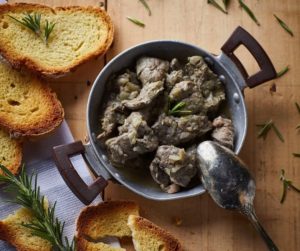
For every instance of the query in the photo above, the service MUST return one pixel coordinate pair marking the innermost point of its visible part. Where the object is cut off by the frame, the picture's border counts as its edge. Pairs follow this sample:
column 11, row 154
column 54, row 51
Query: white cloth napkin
column 38, row 158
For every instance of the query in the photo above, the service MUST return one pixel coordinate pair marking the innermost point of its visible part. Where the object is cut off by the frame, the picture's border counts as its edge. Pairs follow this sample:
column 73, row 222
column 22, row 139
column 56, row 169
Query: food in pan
column 161, row 110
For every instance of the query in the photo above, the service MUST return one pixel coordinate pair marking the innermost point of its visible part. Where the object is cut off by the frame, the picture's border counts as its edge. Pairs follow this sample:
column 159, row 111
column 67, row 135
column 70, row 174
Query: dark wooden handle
column 84, row 192
column 242, row 37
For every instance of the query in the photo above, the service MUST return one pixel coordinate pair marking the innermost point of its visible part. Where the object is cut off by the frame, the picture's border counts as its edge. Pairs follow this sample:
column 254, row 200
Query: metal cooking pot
column 229, row 69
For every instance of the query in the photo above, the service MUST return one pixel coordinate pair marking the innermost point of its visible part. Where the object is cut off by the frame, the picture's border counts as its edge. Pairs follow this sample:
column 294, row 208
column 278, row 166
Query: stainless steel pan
column 226, row 65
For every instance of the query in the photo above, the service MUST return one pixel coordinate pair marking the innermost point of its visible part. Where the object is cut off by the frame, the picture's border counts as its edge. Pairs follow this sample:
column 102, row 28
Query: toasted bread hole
column 34, row 109
column 12, row 85
column 13, row 102
column 161, row 247
column 5, row 25
column 3, row 158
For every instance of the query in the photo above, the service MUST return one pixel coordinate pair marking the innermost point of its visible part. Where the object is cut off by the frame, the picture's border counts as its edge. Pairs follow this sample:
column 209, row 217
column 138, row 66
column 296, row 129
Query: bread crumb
column 177, row 221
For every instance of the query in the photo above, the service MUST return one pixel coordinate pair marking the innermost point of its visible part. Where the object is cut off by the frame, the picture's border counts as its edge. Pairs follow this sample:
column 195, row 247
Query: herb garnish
column 226, row 3
column 45, row 224
column 249, row 12
column 218, row 6
column 282, row 72
column 284, row 25
column 143, row 2
column 178, row 109
column 297, row 155
column 298, row 107
column 135, row 21
column 265, row 128
column 33, row 22
column 286, row 184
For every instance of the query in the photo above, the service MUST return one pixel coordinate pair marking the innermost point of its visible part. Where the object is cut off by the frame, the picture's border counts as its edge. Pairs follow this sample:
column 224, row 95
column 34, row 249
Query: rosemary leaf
column 249, row 12
column 284, row 25
column 298, row 107
column 298, row 127
column 143, row 2
column 226, row 3
column 137, row 22
column 286, row 184
column 45, row 224
column 218, row 6
column 178, row 106
column 33, row 22
column 282, row 72
column 265, row 130
column 181, row 112
column 278, row 133
column 297, row 155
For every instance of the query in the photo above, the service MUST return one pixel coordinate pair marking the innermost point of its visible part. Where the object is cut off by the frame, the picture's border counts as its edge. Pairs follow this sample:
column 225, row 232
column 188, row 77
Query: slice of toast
column 79, row 34
column 106, row 219
column 147, row 236
column 28, row 107
column 10, row 152
column 84, row 245
column 12, row 231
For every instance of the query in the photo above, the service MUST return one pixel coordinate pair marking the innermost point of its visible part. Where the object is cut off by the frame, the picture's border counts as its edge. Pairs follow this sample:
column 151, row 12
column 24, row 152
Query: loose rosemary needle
column 297, row 155
column 143, row 2
column 45, row 225
column 265, row 128
column 249, row 12
column 218, row 6
column 298, row 107
column 178, row 109
column 283, row 72
column 136, row 21
column 286, row 184
column 284, row 25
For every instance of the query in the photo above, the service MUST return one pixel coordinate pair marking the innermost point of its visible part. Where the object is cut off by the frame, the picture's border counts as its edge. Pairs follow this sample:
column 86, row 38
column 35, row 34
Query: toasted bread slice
column 28, row 107
column 148, row 237
column 20, row 237
column 80, row 33
column 10, row 152
column 84, row 245
column 106, row 219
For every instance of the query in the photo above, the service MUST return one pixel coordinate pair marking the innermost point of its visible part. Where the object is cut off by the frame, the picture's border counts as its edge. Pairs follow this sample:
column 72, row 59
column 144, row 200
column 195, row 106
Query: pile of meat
column 164, row 109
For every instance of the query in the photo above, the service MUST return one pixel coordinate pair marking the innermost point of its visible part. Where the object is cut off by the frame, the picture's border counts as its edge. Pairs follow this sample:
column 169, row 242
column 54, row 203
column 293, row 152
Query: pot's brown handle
column 84, row 192
column 242, row 37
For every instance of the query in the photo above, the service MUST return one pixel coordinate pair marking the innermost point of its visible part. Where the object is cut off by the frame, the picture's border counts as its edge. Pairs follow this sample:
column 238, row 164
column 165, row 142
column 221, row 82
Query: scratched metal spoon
column 229, row 183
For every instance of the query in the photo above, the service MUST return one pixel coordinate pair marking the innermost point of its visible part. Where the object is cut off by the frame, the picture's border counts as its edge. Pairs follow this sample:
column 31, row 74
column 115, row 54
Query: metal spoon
column 229, row 183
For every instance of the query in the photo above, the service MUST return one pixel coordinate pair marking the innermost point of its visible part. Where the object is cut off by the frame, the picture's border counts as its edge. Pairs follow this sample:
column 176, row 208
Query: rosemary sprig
column 143, row 2
column 45, row 224
column 226, row 3
column 297, row 155
column 218, row 6
column 286, row 185
column 33, row 22
column 283, row 72
column 284, row 25
column 136, row 21
column 298, row 107
column 249, row 12
column 265, row 128
column 178, row 109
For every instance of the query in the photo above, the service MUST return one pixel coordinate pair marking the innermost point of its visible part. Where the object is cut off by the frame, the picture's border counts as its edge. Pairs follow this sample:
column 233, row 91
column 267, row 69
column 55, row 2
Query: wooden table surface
column 204, row 225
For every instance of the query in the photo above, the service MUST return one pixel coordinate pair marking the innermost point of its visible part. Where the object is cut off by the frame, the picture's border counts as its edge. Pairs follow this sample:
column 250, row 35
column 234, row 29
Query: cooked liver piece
column 150, row 69
column 135, row 138
column 223, row 132
column 172, row 165
column 172, row 130
column 148, row 93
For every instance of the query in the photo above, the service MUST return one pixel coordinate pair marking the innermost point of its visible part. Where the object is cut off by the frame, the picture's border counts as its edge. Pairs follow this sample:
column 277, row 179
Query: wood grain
column 204, row 225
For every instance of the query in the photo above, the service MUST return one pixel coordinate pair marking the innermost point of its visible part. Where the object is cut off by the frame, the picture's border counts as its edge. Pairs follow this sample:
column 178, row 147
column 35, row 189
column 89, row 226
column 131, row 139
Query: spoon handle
column 250, row 213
